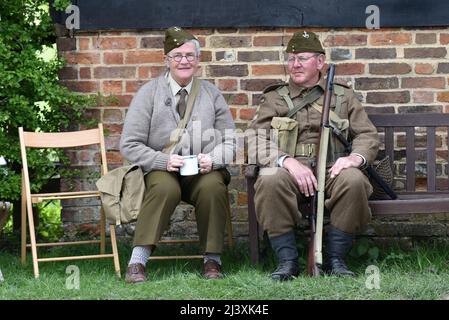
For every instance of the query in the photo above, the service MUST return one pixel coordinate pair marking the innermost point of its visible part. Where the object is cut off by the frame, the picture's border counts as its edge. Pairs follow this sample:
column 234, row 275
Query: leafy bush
column 30, row 94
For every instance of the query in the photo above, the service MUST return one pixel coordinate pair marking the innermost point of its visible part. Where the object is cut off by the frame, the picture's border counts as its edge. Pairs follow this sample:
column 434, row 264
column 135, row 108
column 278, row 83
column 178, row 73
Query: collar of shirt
column 175, row 87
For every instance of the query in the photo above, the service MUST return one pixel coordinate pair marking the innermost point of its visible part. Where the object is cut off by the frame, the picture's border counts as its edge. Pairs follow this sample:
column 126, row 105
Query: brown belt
column 306, row 150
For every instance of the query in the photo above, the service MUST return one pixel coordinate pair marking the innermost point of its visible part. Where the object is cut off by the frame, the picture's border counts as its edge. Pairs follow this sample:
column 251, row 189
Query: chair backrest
column 62, row 140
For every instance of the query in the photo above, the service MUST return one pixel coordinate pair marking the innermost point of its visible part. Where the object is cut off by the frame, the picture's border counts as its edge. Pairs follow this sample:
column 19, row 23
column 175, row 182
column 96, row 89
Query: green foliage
column 30, row 94
column 364, row 250
column 50, row 227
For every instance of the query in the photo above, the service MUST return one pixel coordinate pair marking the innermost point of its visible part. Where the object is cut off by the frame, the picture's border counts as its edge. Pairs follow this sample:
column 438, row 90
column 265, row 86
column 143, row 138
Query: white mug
column 190, row 166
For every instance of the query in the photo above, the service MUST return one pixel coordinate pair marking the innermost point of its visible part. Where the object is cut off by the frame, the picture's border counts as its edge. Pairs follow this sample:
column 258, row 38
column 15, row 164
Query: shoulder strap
column 310, row 97
column 284, row 93
column 176, row 135
column 339, row 92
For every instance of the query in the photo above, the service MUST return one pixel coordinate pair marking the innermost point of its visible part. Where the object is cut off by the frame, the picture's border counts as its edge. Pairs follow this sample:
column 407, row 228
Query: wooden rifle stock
column 315, row 256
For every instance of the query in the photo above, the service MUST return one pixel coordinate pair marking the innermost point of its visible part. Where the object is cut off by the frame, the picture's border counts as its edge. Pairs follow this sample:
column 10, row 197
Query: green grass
column 422, row 273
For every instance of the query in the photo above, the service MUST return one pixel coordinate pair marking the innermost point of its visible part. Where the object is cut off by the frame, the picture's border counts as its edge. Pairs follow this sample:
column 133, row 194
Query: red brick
column 113, row 58
column 229, row 41
column 424, row 82
column 112, row 115
column 114, row 129
column 423, row 97
column 345, row 40
column 233, row 113
column 389, row 68
column 380, row 39
column 137, row 57
column 239, row 98
column 388, row 97
column 444, row 38
column 68, row 73
column 114, row 157
column 117, row 43
column 82, row 86
column 350, row 68
column 152, row 42
column 410, row 53
column 206, row 56
column 85, row 73
column 227, row 84
column 426, row 38
column 144, row 72
column 424, row 68
column 443, row 96
column 83, row 43
column 66, row 44
column 114, row 72
column 268, row 69
column 112, row 142
column 112, row 87
column 269, row 41
column 247, row 114
column 238, row 70
column 133, row 86
column 81, row 58
column 257, row 84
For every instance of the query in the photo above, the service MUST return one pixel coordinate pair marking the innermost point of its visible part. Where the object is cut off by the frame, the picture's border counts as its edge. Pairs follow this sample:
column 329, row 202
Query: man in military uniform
column 287, row 179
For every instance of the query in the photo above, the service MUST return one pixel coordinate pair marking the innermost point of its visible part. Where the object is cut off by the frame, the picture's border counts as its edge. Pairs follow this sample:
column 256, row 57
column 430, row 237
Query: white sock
column 140, row 255
column 215, row 257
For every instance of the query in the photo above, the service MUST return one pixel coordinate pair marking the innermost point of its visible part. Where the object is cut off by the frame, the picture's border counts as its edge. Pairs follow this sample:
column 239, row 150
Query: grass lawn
column 422, row 273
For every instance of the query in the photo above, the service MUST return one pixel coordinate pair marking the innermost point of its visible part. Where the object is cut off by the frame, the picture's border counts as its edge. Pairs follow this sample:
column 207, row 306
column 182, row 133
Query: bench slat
column 410, row 206
column 410, row 158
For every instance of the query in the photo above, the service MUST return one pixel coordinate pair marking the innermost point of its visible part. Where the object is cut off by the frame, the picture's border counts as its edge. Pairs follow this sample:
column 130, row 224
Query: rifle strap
column 177, row 133
column 310, row 97
column 339, row 92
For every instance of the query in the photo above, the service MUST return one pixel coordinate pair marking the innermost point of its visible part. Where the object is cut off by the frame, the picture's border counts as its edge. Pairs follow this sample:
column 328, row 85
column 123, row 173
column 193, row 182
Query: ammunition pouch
column 285, row 134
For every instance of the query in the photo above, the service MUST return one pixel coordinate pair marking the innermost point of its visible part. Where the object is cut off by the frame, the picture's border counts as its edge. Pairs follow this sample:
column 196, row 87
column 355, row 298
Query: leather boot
column 284, row 247
column 338, row 244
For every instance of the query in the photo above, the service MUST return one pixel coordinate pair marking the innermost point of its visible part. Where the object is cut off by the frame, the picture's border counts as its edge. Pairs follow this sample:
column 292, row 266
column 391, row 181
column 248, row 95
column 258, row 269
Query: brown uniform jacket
column 362, row 132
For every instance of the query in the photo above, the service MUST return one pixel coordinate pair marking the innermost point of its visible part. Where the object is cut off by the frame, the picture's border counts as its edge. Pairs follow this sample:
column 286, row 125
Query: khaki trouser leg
column 276, row 200
column 347, row 201
column 162, row 195
column 209, row 194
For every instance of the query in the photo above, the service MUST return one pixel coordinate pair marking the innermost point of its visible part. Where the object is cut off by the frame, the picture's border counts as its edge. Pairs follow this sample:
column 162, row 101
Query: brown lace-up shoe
column 135, row 273
column 212, row 270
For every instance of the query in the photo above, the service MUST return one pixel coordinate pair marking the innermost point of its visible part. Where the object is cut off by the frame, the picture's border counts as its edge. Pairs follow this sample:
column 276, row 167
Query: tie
column 182, row 102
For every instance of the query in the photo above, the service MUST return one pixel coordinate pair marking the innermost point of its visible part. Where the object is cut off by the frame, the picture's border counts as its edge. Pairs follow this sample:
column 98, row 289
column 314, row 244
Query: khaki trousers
column 163, row 192
column 277, row 198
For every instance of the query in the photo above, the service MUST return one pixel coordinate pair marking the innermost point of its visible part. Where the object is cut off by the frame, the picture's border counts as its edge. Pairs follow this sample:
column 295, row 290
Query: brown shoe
column 135, row 273
column 212, row 270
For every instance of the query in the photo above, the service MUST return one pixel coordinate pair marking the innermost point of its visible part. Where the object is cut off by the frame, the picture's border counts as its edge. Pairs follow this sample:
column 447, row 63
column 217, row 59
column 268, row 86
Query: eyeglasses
column 178, row 57
column 300, row 59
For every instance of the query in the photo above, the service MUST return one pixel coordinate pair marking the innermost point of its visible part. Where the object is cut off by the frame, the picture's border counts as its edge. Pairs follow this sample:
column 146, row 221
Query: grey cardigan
column 152, row 118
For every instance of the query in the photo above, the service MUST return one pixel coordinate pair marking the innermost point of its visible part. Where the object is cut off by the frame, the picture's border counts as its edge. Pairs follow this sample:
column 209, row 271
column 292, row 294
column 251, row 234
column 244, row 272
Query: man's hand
column 174, row 163
column 205, row 163
column 350, row 161
column 303, row 175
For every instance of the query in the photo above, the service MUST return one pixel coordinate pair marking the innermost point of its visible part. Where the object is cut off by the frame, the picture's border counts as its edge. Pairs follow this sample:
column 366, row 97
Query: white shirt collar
column 175, row 87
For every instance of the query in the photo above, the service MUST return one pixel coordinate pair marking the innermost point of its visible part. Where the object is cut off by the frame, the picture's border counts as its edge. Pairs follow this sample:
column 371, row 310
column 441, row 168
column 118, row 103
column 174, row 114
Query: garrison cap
column 304, row 41
column 176, row 37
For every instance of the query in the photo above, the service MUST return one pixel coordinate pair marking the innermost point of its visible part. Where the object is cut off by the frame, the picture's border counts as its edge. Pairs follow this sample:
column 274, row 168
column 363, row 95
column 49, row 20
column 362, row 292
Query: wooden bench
column 418, row 135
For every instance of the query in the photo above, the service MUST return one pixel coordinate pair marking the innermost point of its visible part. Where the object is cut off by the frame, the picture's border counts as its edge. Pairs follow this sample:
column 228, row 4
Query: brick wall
column 392, row 70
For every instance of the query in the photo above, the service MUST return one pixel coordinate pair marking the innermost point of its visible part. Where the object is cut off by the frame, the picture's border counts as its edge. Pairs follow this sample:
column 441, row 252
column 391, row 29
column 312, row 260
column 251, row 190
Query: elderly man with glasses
column 287, row 179
column 158, row 112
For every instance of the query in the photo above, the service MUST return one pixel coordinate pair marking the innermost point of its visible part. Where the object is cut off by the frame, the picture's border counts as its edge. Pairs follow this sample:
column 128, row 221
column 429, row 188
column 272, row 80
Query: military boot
column 284, row 247
column 338, row 244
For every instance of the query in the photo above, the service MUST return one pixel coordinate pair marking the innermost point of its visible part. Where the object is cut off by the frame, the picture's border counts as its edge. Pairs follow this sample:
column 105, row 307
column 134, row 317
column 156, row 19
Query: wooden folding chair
column 61, row 140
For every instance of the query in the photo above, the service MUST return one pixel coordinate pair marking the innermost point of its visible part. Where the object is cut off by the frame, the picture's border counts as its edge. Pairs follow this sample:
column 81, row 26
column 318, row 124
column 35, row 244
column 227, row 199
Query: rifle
column 315, row 257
